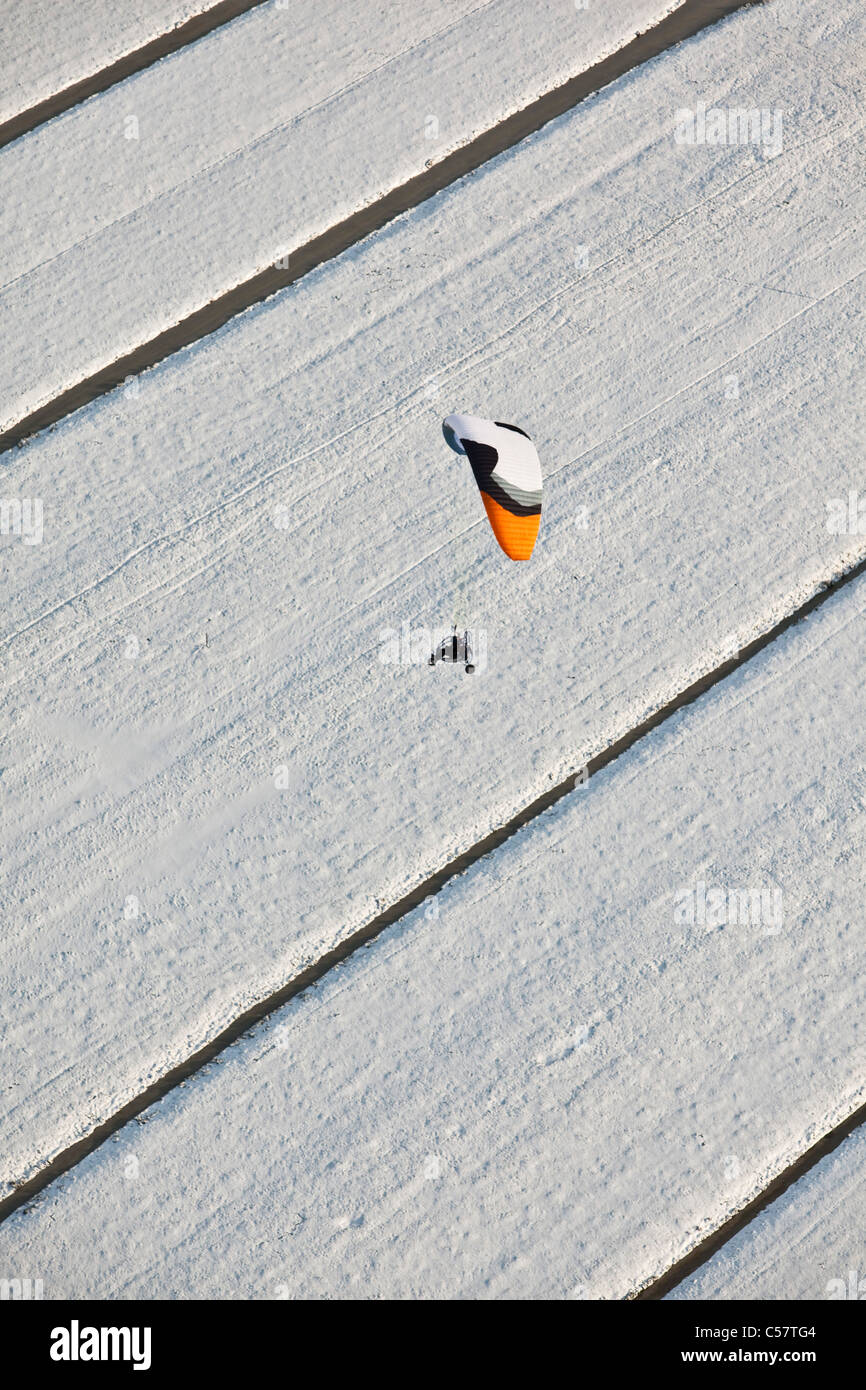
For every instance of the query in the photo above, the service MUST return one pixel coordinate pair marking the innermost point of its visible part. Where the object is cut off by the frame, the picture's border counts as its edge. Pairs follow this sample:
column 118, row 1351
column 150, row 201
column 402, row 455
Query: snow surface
column 185, row 180
column 47, row 46
column 547, row 1082
column 808, row 1245
column 210, row 775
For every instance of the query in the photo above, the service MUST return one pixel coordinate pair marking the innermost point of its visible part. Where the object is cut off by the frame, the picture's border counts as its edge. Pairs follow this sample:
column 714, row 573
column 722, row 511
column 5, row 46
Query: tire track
column 74, row 1154
column 685, row 22
column 127, row 66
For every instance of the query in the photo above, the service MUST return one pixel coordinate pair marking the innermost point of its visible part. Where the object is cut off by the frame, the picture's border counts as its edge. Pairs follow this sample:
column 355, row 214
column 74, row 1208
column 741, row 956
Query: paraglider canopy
column 508, row 475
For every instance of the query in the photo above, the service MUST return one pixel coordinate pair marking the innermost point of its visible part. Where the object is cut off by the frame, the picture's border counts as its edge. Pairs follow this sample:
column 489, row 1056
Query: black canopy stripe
column 484, row 458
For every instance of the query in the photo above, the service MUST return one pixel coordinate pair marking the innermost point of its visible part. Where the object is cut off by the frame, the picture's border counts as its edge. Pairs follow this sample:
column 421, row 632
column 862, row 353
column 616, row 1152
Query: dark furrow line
column 261, row 1010
column 736, row 1223
column 127, row 66
column 684, row 23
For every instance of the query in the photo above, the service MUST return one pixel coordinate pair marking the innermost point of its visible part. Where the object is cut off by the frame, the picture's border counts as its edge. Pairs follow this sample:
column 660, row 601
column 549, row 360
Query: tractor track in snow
column 177, row 1075
column 689, row 19
column 127, row 66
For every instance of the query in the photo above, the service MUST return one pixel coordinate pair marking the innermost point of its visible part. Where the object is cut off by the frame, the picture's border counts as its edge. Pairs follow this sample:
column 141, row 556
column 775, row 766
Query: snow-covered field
column 549, row 1082
column 559, row 1074
column 185, row 180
